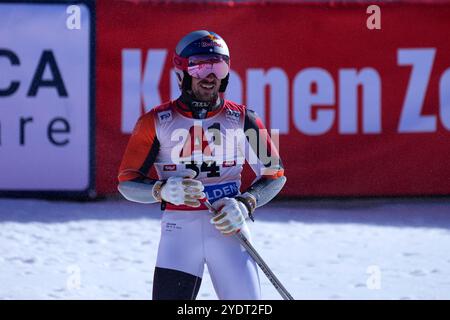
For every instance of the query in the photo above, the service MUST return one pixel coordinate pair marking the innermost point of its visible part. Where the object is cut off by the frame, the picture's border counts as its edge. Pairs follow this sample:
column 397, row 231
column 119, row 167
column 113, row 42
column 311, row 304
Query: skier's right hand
column 183, row 190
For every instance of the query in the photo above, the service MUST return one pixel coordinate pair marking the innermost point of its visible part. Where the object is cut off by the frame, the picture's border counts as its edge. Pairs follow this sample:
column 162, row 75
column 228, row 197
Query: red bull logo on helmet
column 211, row 41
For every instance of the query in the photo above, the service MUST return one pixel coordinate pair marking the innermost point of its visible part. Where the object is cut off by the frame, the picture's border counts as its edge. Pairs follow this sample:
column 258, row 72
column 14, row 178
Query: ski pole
column 257, row 258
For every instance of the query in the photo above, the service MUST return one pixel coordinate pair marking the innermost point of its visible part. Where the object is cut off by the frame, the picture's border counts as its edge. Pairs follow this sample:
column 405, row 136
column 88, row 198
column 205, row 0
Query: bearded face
column 206, row 89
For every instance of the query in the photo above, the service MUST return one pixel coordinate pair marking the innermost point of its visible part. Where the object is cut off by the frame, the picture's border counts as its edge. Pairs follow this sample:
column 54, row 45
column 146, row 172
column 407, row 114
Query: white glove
column 230, row 217
column 187, row 191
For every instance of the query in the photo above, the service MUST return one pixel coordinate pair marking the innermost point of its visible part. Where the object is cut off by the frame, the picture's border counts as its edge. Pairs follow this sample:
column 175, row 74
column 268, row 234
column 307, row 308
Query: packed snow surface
column 319, row 249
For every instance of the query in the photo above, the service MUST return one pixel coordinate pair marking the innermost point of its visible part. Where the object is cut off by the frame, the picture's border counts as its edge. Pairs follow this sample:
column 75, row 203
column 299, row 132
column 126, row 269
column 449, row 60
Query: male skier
column 198, row 144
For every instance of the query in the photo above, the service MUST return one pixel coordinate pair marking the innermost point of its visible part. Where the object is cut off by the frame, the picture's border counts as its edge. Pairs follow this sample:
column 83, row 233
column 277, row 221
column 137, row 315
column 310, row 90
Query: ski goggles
column 201, row 66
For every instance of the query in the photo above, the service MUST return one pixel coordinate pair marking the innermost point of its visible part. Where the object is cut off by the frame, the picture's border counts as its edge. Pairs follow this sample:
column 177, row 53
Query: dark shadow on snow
column 46, row 211
column 414, row 212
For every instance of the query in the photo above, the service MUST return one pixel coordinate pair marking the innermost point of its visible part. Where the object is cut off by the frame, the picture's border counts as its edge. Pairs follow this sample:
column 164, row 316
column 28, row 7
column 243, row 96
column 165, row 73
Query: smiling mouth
column 207, row 85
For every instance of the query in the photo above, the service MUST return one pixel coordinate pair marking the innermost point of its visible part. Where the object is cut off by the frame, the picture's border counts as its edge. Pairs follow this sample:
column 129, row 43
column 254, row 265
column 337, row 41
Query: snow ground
column 348, row 249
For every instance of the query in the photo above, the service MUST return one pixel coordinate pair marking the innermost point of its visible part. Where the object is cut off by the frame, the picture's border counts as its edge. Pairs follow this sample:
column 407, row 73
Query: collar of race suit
column 198, row 109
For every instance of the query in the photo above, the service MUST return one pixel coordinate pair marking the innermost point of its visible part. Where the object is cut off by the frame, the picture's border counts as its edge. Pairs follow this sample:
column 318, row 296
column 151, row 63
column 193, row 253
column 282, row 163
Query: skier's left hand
column 230, row 217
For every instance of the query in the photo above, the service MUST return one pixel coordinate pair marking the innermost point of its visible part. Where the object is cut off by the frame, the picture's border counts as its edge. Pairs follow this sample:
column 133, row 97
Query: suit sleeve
column 143, row 147
column 262, row 155
column 141, row 151
column 260, row 150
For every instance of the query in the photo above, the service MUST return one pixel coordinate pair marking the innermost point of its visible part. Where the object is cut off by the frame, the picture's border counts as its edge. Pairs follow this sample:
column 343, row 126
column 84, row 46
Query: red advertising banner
column 361, row 111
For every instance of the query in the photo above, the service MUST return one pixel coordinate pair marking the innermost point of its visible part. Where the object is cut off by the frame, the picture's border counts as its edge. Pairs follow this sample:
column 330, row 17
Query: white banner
column 45, row 138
